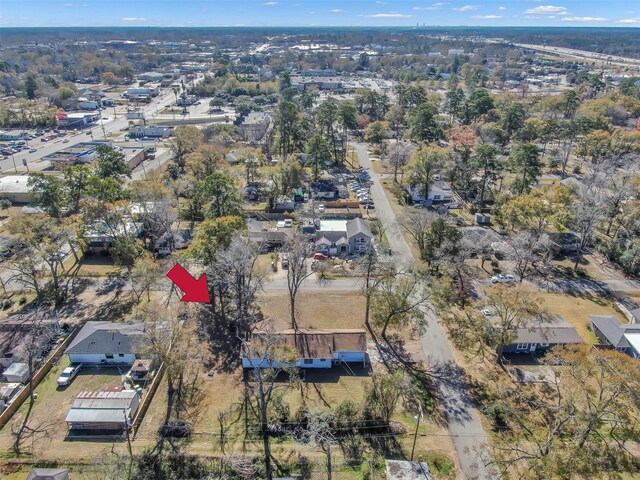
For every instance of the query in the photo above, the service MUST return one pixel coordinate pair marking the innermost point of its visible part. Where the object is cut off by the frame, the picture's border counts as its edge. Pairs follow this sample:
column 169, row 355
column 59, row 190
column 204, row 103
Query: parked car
column 68, row 374
column 320, row 256
column 368, row 206
column 321, row 208
column 486, row 312
column 502, row 279
column 66, row 140
column 33, row 150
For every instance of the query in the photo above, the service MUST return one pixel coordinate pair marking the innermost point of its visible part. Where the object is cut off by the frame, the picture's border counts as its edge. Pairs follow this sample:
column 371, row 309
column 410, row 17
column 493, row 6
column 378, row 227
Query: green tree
column 478, row 103
column 31, row 86
column 213, row 235
column 319, row 150
column 426, row 162
column 221, row 190
column 376, row 132
column 76, row 183
column 111, row 163
column 513, row 118
column 49, row 192
column 287, row 124
column 485, row 161
column 423, row 125
column 525, row 163
column 453, row 102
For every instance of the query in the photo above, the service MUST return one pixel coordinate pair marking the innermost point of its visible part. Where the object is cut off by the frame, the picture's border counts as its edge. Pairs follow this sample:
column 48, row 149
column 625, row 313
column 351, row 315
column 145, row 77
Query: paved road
column 110, row 126
column 462, row 417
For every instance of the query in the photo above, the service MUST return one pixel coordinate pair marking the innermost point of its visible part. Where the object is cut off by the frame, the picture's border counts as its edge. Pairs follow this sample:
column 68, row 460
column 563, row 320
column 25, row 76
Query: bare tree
column 271, row 359
column 32, row 348
column 175, row 344
column 298, row 250
column 587, row 214
column 237, row 273
column 372, row 273
column 399, row 156
column 417, row 223
column 529, row 253
column 320, row 432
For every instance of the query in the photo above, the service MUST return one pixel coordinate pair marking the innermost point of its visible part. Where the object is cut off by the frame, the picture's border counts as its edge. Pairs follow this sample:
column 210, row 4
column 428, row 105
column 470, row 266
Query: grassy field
column 576, row 310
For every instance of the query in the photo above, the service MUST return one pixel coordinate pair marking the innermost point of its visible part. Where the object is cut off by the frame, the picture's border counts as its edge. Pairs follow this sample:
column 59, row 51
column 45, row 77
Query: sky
column 192, row 13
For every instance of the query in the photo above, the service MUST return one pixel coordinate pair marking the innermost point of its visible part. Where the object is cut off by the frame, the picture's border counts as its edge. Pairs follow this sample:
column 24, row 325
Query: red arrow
column 194, row 290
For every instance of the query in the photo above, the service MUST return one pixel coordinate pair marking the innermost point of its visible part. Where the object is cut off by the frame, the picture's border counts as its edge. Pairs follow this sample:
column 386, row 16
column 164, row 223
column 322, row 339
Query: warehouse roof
column 15, row 184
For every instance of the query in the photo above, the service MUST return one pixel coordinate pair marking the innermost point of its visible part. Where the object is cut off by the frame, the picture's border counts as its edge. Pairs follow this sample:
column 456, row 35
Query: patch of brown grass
column 576, row 310
column 316, row 309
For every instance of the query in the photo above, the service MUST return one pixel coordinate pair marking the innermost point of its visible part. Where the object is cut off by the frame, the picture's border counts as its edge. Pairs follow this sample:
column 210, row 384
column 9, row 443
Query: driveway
column 462, row 416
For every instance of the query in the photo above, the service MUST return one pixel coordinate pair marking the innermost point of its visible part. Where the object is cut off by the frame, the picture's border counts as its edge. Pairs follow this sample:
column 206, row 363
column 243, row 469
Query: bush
column 176, row 429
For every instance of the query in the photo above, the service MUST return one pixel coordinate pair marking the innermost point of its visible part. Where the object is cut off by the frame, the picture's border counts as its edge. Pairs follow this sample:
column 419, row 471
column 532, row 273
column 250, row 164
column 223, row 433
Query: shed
column 17, row 372
column 7, row 392
column 407, row 470
column 106, row 410
column 38, row 473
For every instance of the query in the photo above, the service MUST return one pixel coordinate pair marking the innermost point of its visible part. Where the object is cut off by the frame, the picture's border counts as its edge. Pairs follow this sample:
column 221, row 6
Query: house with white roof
column 624, row 337
column 343, row 237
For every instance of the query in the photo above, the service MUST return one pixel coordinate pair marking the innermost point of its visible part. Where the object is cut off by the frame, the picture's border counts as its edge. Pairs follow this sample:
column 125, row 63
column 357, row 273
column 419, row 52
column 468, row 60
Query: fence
column 37, row 378
column 144, row 406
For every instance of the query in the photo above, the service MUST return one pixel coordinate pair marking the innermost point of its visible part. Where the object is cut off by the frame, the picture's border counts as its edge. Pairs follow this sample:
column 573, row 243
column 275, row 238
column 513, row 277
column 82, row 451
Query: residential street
column 462, row 416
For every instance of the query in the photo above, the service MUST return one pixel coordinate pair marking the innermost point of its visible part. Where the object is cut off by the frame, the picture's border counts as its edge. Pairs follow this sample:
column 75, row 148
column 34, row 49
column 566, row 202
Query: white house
column 440, row 192
column 313, row 348
column 341, row 237
column 107, row 343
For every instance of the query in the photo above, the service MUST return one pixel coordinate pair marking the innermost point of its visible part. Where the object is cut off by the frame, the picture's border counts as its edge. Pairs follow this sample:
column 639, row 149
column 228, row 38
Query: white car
column 486, row 312
column 67, row 375
column 320, row 208
column 502, row 278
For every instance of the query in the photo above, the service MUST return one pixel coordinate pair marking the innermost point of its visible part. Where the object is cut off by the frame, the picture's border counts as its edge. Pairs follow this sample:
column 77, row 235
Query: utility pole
column 126, row 429
column 415, row 435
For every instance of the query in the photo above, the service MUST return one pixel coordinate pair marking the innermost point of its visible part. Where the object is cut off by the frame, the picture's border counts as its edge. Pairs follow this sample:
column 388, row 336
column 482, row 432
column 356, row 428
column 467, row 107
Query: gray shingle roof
column 550, row 335
column 613, row 329
column 48, row 474
column 357, row 225
column 108, row 337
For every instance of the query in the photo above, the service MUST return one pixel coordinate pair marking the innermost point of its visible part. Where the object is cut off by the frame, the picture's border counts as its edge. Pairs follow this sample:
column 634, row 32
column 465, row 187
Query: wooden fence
column 144, row 405
column 37, row 378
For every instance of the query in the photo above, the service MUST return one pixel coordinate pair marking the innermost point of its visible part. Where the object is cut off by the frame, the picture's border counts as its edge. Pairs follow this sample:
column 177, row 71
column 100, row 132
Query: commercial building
column 83, row 152
column 11, row 136
column 154, row 131
column 76, row 119
column 15, row 189
column 254, row 126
